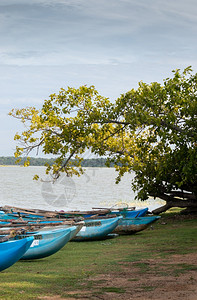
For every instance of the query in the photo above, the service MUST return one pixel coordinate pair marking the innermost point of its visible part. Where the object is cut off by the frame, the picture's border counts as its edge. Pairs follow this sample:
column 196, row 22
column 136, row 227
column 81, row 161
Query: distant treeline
column 11, row 160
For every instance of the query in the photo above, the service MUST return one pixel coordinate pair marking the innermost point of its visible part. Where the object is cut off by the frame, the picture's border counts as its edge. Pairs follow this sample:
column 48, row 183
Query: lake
column 95, row 188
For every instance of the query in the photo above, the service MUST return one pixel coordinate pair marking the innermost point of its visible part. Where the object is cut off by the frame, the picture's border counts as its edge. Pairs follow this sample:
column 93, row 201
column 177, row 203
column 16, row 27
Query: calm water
column 95, row 188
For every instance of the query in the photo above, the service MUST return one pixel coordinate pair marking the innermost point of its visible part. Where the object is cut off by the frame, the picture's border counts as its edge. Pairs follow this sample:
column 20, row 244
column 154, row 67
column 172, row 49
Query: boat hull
column 97, row 229
column 12, row 251
column 133, row 225
column 48, row 242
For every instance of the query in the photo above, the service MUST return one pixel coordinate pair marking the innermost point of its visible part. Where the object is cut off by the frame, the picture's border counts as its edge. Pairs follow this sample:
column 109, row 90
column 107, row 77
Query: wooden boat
column 32, row 224
column 14, row 212
column 78, row 226
column 107, row 212
column 126, row 212
column 16, row 215
column 95, row 229
column 48, row 242
column 133, row 225
column 28, row 212
column 12, row 251
column 39, row 214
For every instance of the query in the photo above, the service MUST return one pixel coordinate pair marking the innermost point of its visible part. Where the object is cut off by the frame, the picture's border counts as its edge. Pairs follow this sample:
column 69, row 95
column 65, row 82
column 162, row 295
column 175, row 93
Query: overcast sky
column 113, row 44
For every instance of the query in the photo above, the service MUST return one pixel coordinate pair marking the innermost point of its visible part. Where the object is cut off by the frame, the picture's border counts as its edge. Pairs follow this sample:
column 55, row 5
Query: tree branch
column 183, row 195
column 174, row 202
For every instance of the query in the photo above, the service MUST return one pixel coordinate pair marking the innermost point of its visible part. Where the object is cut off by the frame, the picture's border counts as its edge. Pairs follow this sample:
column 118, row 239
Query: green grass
column 73, row 269
column 113, row 290
column 147, row 288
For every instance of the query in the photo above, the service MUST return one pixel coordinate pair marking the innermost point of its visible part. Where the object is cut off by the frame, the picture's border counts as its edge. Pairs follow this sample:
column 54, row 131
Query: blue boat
column 130, row 213
column 12, row 251
column 14, row 213
column 35, row 223
column 105, row 212
column 73, row 233
column 47, row 242
column 133, row 225
column 16, row 216
column 95, row 229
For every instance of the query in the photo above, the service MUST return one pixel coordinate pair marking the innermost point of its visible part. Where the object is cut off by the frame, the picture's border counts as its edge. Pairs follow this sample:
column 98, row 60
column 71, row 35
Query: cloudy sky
column 113, row 44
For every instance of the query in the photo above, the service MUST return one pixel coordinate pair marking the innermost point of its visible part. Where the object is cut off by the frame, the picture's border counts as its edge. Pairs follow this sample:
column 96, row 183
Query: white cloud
column 64, row 58
column 113, row 44
column 186, row 10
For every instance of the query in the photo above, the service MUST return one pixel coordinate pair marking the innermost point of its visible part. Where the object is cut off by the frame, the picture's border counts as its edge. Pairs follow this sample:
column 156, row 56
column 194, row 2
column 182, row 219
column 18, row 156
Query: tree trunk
column 190, row 205
column 189, row 211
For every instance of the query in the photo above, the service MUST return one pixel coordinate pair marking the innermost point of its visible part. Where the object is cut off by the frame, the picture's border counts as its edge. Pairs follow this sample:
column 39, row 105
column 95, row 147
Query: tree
column 151, row 131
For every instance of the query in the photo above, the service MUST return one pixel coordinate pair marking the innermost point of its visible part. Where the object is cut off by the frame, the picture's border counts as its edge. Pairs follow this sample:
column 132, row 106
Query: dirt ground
column 160, row 280
column 155, row 279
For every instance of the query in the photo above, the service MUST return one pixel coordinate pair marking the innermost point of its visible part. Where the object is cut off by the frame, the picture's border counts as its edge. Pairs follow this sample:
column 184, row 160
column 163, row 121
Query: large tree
column 151, row 131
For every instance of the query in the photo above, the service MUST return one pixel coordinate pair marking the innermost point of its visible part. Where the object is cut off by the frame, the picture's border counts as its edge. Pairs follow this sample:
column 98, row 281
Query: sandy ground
column 156, row 279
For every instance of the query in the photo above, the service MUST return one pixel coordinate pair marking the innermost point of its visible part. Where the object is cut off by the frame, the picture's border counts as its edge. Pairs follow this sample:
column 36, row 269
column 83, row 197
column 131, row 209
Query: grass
column 74, row 269
column 147, row 288
column 113, row 290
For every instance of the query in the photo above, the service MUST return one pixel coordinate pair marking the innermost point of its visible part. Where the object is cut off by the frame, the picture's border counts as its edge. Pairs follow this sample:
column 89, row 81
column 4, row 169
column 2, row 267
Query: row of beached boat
column 33, row 234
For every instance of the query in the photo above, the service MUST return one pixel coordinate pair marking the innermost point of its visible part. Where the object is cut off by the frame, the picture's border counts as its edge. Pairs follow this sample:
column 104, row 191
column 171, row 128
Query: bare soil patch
column 172, row 278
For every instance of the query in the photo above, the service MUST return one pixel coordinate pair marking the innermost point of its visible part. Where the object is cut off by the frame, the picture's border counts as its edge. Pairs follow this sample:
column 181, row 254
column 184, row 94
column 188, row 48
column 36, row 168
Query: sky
column 46, row 45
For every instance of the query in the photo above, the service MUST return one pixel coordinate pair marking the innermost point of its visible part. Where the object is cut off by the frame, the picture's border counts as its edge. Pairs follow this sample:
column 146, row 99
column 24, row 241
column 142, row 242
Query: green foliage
column 65, row 127
column 164, row 122
column 151, row 131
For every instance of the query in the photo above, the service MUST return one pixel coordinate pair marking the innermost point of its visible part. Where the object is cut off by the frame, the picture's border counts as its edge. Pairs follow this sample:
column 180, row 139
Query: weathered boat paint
column 133, row 225
column 97, row 228
column 73, row 233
